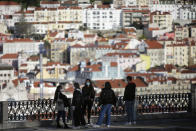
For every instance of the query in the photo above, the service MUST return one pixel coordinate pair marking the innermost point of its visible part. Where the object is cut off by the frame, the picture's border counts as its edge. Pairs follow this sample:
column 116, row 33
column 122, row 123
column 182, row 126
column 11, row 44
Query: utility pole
column 41, row 50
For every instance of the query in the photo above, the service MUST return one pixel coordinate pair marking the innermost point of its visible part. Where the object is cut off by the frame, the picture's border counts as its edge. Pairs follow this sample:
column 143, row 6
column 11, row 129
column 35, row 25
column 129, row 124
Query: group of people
column 83, row 99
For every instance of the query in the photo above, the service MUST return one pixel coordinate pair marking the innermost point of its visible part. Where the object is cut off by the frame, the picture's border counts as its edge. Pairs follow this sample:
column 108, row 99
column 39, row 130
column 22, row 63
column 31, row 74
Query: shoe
column 128, row 123
column 76, row 127
column 108, row 126
column 96, row 126
column 134, row 123
column 58, row 126
column 66, row 126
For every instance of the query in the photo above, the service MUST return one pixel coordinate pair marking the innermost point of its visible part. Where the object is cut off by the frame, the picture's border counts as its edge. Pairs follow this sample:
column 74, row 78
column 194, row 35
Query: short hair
column 76, row 85
column 129, row 78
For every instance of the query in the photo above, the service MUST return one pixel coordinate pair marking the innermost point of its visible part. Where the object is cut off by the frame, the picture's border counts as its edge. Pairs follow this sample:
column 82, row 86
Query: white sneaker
column 96, row 126
column 128, row 123
column 108, row 126
column 76, row 127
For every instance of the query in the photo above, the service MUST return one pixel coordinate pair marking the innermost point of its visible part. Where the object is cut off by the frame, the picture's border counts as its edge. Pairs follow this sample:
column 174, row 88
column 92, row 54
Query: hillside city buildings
column 154, row 41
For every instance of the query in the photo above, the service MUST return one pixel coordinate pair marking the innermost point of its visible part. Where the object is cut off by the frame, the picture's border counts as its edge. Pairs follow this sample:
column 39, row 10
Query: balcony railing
column 155, row 103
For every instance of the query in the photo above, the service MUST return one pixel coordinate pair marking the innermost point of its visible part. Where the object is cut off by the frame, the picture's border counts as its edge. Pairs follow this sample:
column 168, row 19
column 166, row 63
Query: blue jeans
column 105, row 109
column 131, row 111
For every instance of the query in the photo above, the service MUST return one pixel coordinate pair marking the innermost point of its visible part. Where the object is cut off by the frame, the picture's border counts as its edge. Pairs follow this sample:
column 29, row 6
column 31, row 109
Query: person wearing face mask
column 88, row 94
column 61, row 101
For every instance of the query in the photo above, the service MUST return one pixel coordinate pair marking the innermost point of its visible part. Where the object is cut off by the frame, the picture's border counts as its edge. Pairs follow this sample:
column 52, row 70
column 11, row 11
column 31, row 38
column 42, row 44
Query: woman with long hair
column 88, row 94
column 61, row 102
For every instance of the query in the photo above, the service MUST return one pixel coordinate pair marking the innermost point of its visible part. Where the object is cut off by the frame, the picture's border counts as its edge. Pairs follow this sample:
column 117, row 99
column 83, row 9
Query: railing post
column 193, row 93
column 4, row 112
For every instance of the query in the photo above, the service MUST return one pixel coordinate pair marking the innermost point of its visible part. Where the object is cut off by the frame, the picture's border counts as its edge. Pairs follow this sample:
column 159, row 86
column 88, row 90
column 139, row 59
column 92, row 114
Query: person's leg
column 63, row 117
column 133, row 112
column 108, row 113
column 58, row 118
column 127, row 105
column 76, row 119
column 81, row 116
column 101, row 115
column 90, row 104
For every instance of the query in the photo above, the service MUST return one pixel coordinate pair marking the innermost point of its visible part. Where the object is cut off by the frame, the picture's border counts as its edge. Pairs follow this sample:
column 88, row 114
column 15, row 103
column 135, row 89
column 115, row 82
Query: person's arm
column 125, row 93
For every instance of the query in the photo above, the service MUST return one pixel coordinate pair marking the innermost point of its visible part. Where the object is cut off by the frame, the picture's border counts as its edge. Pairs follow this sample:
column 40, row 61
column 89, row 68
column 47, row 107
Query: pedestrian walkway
column 147, row 125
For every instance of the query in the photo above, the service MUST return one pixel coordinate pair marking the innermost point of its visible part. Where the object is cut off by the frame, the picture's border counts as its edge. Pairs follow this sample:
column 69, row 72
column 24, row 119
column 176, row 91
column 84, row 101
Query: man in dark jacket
column 77, row 105
column 107, row 99
column 129, row 98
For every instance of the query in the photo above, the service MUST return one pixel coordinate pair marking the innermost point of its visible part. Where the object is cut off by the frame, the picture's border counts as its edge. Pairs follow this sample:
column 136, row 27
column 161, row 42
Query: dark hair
column 108, row 85
column 59, row 87
column 129, row 78
column 76, row 85
column 91, row 85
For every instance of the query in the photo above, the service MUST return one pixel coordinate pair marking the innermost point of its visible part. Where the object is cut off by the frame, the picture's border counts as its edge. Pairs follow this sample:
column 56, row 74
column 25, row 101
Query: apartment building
column 130, row 16
column 177, row 54
column 181, row 32
column 162, row 19
column 156, row 52
column 9, row 7
column 103, row 17
column 21, row 45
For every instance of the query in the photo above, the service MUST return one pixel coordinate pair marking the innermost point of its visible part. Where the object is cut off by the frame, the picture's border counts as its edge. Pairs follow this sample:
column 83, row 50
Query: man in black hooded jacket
column 129, row 98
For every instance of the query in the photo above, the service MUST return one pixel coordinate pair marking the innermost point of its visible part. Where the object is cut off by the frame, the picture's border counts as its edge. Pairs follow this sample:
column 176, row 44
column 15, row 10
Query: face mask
column 62, row 90
column 88, row 83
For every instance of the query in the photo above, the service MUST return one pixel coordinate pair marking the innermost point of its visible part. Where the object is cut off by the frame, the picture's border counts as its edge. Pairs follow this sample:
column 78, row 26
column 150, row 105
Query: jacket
column 61, row 101
column 129, row 93
column 77, row 98
column 107, row 96
column 88, row 93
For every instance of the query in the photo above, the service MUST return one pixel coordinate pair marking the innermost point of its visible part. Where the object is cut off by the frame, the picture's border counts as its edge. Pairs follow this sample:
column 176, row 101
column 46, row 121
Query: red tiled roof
column 119, row 83
column 187, row 71
column 23, row 65
column 75, row 68
column 120, row 54
column 20, row 40
column 8, row 3
column 153, row 44
column 89, row 35
column 33, row 58
column 113, row 64
column 93, row 68
column 49, row 2
column 9, row 56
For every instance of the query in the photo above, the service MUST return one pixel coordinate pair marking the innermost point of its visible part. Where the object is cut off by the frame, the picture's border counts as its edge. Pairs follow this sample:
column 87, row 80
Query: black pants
column 89, row 105
column 60, row 114
column 78, row 117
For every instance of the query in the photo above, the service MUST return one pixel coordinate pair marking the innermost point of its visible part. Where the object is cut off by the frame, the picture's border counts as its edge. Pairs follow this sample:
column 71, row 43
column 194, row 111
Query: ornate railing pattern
column 45, row 109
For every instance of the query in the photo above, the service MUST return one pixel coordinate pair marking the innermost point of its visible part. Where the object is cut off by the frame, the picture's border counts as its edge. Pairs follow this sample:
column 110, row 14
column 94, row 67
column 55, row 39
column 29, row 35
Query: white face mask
column 88, row 83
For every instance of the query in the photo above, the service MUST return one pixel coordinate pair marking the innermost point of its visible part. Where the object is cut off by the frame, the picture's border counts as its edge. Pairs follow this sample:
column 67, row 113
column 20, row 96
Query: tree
column 107, row 1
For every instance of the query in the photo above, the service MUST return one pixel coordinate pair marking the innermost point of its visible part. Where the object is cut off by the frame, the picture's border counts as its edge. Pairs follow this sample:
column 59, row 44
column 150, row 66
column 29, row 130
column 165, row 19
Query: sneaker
column 96, row 126
column 128, row 123
column 134, row 123
column 76, row 127
column 108, row 126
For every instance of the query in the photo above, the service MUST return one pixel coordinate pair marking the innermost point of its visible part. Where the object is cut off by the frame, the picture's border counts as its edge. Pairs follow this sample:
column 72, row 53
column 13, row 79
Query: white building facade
column 103, row 18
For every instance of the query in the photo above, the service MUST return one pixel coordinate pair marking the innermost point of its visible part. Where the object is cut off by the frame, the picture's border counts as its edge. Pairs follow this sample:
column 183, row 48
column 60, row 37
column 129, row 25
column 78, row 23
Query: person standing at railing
column 129, row 98
column 88, row 94
column 77, row 106
column 61, row 102
column 106, row 100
